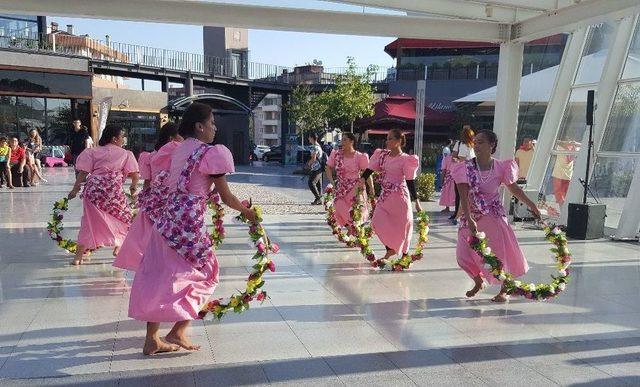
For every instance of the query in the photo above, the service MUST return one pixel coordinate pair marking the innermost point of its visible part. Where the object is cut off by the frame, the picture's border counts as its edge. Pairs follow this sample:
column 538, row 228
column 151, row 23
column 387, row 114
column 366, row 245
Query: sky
column 271, row 47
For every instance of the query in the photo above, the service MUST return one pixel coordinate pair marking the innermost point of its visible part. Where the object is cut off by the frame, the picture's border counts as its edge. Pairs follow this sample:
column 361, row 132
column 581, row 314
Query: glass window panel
column 622, row 133
column 8, row 116
column 30, row 115
column 595, row 53
column 574, row 122
column 59, row 119
column 610, row 183
column 44, row 83
column 632, row 65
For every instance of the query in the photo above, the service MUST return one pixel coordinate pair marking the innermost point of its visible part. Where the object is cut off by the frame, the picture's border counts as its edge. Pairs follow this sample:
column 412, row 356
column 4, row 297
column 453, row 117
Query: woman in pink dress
column 478, row 181
column 348, row 165
column 106, row 216
column 179, row 271
column 392, row 219
column 448, row 193
column 151, row 166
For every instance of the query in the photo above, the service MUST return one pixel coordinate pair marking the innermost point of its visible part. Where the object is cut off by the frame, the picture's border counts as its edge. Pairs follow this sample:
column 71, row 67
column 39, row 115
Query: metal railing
column 231, row 66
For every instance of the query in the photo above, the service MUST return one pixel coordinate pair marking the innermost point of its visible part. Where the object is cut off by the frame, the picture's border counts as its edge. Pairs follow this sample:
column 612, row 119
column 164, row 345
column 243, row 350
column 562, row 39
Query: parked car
column 260, row 150
column 274, row 154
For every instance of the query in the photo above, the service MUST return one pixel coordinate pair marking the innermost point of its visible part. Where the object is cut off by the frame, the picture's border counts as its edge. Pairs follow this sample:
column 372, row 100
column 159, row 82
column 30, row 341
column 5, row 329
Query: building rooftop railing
column 116, row 52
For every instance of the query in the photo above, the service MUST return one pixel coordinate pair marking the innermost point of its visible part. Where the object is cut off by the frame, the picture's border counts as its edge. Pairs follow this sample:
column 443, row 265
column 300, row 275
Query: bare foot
column 76, row 262
column 153, row 346
column 389, row 254
column 476, row 288
column 501, row 298
column 182, row 341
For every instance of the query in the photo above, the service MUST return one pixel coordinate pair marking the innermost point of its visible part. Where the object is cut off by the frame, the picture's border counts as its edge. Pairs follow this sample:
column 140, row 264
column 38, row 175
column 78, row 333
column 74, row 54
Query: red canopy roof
column 399, row 112
column 393, row 47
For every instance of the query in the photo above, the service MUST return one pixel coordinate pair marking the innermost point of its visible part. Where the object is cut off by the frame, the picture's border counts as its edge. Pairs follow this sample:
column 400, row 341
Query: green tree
column 307, row 110
column 352, row 98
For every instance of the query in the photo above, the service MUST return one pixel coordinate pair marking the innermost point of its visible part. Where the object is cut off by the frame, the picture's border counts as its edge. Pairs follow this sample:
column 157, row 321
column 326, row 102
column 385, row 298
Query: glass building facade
column 20, row 26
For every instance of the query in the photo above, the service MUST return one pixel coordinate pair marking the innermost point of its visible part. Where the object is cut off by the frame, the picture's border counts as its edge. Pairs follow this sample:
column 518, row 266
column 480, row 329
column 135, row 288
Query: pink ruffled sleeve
column 363, row 161
column 217, row 161
column 459, row 172
column 331, row 161
column 509, row 171
column 130, row 164
column 374, row 162
column 144, row 162
column 85, row 160
column 410, row 167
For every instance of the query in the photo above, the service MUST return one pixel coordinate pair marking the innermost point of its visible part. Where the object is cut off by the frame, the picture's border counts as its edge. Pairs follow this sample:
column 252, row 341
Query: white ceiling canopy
column 471, row 20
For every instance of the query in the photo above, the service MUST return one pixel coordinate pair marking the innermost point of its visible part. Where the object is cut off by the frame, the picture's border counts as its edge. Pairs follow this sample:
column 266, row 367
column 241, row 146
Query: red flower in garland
column 260, row 296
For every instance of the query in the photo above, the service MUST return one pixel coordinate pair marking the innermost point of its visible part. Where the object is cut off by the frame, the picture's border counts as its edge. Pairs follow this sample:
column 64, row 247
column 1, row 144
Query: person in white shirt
column 523, row 157
column 462, row 151
column 316, row 167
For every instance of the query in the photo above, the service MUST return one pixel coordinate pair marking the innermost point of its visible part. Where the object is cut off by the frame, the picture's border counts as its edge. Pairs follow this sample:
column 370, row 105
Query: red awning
column 392, row 48
column 399, row 112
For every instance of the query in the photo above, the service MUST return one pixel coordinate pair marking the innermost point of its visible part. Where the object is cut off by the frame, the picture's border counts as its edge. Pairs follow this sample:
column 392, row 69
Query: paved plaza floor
column 331, row 318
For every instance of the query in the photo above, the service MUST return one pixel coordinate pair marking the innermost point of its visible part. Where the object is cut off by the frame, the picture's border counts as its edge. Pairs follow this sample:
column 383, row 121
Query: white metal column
column 505, row 123
column 604, row 100
column 555, row 108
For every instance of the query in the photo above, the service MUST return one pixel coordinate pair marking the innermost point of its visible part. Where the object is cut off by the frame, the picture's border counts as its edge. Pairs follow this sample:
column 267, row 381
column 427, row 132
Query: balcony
column 270, row 136
column 271, row 122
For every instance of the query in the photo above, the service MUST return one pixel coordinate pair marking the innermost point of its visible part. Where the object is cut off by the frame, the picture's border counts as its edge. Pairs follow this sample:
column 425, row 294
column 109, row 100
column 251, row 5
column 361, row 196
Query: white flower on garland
column 556, row 231
column 258, row 242
column 487, row 266
column 562, row 286
column 517, row 283
column 486, row 251
column 481, row 235
column 329, row 186
column 502, row 277
column 563, row 273
column 532, row 287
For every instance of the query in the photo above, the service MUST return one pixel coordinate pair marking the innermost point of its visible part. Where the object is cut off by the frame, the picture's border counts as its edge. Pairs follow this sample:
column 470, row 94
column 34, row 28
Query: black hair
column 3, row 138
column 196, row 112
column 398, row 135
column 167, row 131
column 350, row 136
column 492, row 137
column 527, row 136
column 313, row 136
column 110, row 131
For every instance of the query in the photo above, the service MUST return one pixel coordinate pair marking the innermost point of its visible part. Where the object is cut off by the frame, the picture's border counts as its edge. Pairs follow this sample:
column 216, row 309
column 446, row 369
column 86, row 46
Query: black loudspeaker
column 586, row 221
column 590, row 101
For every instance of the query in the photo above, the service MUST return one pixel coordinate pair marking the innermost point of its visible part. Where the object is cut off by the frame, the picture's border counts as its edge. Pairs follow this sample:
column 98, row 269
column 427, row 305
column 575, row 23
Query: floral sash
column 105, row 192
column 180, row 219
column 344, row 185
column 388, row 187
column 479, row 206
column 156, row 197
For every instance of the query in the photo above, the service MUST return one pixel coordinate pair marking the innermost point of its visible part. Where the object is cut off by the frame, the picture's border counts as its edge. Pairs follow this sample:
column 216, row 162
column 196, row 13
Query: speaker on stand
column 586, row 220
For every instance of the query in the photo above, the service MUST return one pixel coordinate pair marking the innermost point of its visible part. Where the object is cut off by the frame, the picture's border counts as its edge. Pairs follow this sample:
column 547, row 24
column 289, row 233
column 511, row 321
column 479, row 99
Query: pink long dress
column 169, row 287
column 151, row 165
column 448, row 194
column 348, row 170
column 493, row 223
column 393, row 217
column 105, row 218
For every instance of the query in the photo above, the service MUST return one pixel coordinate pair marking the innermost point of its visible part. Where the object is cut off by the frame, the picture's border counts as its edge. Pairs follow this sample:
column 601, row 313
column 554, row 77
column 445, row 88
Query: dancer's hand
column 133, row 189
column 73, row 193
column 250, row 215
column 473, row 226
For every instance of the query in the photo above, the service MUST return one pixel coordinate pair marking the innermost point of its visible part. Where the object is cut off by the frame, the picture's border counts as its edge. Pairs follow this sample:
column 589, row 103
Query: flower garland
column 530, row 291
column 365, row 233
column 55, row 227
column 346, row 236
column 217, row 230
column 253, row 291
